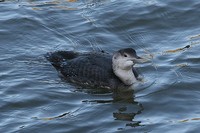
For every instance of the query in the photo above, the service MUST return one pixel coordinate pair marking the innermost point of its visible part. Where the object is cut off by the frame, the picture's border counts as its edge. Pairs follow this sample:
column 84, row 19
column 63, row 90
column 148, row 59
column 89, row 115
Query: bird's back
column 93, row 69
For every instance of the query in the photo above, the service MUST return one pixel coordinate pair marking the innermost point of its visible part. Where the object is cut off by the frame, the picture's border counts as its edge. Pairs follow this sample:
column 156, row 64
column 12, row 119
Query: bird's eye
column 125, row 55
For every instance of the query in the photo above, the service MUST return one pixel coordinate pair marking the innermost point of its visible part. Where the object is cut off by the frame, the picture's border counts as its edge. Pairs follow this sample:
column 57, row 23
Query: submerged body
column 92, row 69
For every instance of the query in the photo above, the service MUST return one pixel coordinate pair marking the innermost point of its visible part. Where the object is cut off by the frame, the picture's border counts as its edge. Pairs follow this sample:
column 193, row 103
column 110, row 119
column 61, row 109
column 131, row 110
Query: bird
column 97, row 69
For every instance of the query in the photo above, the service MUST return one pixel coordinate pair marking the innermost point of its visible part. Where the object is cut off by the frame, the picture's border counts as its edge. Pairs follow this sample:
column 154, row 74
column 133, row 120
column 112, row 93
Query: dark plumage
column 93, row 69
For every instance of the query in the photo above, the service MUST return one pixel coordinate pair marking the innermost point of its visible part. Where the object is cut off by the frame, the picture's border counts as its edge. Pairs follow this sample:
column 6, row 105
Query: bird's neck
column 126, row 76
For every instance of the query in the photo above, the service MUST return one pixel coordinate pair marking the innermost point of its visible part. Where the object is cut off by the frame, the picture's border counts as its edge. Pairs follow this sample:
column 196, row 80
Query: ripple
column 31, row 88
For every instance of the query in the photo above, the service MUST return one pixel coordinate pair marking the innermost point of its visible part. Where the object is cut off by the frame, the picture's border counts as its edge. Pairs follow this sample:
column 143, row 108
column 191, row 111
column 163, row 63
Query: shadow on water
column 124, row 98
column 127, row 113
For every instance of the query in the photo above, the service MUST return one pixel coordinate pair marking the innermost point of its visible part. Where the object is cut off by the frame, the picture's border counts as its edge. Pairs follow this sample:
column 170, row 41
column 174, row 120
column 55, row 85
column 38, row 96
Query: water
column 33, row 98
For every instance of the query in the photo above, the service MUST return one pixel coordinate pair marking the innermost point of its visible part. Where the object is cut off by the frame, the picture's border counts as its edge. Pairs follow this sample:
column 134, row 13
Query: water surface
column 35, row 99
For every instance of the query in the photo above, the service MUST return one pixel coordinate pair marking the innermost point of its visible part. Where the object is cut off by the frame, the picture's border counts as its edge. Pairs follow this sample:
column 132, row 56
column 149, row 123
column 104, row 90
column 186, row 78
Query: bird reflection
column 128, row 108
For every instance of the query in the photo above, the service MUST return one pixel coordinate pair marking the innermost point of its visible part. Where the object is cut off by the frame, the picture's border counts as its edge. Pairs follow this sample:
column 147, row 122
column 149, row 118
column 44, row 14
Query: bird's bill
column 139, row 59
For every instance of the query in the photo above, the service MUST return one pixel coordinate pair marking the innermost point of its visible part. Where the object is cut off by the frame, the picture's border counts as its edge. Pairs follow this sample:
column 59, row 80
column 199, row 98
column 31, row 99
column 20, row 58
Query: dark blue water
column 33, row 98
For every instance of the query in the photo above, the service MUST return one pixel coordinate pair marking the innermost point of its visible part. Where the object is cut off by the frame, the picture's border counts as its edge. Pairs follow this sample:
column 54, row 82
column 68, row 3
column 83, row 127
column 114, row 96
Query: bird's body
column 92, row 69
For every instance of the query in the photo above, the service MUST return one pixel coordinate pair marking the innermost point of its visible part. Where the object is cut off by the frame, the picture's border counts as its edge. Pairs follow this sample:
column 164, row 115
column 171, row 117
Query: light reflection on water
column 34, row 98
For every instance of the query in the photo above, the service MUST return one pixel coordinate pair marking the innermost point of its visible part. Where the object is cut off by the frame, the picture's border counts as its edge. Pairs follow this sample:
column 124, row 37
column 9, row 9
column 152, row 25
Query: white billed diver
column 97, row 69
